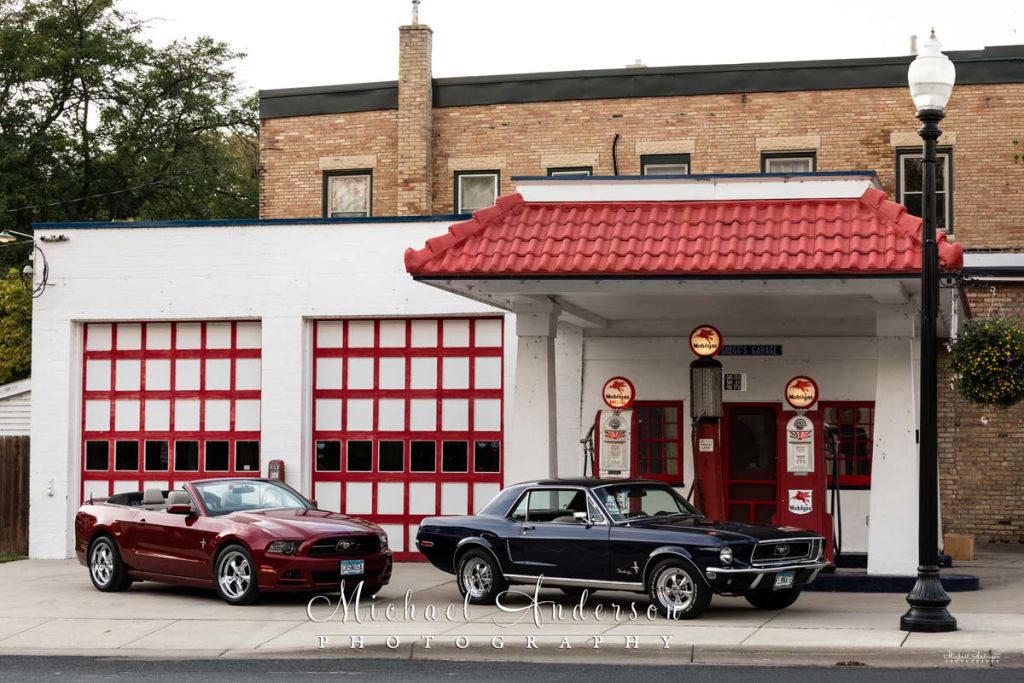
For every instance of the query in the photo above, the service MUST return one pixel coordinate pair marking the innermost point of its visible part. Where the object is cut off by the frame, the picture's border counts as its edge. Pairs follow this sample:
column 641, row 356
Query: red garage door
column 407, row 419
column 165, row 403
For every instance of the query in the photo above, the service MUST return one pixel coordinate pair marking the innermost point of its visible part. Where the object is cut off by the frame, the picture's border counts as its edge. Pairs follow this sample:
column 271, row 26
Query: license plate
column 784, row 580
column 350, row 567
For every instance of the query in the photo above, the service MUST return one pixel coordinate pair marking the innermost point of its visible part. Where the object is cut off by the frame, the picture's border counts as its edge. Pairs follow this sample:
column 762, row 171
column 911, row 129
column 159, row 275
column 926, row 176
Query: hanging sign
column 706, row 341
column 618, row 393
column 801, row 392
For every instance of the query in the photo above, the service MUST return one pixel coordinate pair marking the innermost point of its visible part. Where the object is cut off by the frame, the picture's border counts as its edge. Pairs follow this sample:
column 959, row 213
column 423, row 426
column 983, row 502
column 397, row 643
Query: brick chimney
column 415, row 120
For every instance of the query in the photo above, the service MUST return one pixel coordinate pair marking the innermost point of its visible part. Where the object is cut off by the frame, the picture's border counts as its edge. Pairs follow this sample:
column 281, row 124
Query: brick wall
column 854, row 130
column 981, row 450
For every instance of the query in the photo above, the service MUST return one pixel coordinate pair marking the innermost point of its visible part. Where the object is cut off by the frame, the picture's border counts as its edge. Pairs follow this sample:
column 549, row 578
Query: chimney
column 415, row 119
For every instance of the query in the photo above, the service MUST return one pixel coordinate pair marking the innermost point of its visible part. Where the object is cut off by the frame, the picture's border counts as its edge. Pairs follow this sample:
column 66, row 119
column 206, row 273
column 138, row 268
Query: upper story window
column 665, row 164
column 347, row 194
column 475, row 190
column 571, row 171
column 789, row 162
column 910, row 184
column 852, row 428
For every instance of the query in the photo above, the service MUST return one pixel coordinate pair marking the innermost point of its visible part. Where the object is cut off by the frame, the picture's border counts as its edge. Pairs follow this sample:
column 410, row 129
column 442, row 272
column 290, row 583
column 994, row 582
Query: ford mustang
column 629, row 535
column 238, row 536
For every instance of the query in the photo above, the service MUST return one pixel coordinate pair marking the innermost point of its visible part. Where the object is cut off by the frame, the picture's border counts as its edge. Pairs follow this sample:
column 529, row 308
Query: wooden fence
column 14, row 494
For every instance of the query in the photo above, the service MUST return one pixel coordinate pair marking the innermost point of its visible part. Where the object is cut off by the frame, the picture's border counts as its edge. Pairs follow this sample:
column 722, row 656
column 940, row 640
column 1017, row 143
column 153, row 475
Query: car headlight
column 725, row 556
column 383, row 540
column 283, row 547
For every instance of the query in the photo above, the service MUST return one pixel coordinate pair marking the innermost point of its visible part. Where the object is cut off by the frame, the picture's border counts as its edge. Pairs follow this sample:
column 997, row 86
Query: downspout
column 615, row 158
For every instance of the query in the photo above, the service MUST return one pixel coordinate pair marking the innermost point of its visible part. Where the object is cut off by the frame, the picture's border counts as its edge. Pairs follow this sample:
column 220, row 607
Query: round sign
column 706, row 341
column 618, row 393
column 801, row 392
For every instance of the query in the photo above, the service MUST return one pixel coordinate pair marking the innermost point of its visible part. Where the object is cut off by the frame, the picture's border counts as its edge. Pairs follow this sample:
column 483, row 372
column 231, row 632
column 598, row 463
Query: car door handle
column 142, row 522
column 528, row 527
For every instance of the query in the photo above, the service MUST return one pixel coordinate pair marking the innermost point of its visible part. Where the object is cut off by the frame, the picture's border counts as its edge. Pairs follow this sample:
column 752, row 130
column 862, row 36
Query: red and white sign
column 618, row 393
column 706, row 341
column 801, row 501
column 801, row 392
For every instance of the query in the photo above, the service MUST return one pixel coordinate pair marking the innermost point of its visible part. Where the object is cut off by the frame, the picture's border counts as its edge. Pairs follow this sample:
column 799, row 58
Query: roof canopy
column 839, row 237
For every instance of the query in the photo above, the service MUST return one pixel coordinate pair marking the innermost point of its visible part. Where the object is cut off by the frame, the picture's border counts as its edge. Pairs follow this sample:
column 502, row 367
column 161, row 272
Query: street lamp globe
column 6, row 237
column 931, row 77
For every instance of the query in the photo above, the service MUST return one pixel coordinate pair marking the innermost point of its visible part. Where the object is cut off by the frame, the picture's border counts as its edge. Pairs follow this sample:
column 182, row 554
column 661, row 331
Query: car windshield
column 225, row 497
column 635, row 501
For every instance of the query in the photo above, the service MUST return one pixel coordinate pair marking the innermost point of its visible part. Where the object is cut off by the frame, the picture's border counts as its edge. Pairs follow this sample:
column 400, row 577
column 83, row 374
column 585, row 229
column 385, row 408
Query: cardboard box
column 959, row 546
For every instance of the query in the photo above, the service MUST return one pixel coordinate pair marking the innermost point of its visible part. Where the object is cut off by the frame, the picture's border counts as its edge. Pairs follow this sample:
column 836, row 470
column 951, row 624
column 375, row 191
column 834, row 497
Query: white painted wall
column 283, row 275
column 659, row 368
column 15, row 408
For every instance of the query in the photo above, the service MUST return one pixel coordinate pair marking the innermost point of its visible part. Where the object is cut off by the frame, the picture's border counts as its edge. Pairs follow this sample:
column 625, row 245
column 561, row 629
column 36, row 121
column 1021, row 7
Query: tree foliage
column 97, row 123
column 15, row 328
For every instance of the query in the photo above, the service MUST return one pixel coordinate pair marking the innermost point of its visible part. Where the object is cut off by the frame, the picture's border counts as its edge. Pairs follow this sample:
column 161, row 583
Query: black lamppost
column 931, row 78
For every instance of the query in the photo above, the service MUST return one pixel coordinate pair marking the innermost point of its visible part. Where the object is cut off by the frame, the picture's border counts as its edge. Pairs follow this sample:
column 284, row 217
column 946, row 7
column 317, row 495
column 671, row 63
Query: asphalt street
column 30, row 669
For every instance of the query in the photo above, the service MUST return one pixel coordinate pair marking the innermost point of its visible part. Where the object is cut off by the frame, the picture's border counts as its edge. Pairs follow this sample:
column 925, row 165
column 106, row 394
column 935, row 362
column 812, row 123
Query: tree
column 98, row 124
column 15, row 328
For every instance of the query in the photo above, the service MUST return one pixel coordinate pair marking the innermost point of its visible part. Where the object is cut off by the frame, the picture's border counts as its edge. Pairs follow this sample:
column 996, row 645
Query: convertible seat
column 153, row 499
column 178, row 498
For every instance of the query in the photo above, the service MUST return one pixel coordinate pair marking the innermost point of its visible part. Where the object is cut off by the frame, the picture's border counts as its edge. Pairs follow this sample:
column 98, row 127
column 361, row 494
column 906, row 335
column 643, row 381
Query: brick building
column 419, row 146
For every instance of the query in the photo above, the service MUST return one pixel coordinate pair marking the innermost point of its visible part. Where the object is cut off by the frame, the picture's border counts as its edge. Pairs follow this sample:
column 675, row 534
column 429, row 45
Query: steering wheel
column 663, row 513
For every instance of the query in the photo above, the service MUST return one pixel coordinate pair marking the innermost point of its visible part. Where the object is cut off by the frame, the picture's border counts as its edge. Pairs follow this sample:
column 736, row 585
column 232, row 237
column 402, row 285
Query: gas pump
column 614, row 427
column 802, row 473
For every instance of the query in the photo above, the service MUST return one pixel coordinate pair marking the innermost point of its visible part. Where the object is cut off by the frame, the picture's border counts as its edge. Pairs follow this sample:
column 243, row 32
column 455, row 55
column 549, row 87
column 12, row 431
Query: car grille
column 784, row 552
column 360, row 545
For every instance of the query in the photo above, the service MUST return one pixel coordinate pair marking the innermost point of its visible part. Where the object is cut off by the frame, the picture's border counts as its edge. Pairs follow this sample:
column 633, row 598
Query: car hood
column 726, row 530
column 296, row 524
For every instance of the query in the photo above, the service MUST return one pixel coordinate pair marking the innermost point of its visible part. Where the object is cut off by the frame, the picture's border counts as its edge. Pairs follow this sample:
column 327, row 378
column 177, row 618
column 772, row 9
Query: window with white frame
column 665, row 164
column 475, row 190
column 788, row 162
column 571, row 171
column 910, row 184
column 348, row 194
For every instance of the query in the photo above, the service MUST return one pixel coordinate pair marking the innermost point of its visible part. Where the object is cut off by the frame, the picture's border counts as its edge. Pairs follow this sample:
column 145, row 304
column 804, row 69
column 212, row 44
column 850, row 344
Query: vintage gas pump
column 706, row 414
column 614, row 427
column 802, row 474
column 275, row 470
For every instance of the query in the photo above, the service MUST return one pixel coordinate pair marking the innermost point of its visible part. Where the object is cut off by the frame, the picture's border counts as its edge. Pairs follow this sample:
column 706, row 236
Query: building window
column 348, row 194
column 475, row 190
column 789, row 162
column 665, row 164
column 910, row 184
column 851, row 432
column 659, row 440
column 571, row 171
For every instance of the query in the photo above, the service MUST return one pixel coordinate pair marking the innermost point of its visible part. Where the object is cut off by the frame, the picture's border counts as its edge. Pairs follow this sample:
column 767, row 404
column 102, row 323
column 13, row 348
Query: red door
column 749, row 462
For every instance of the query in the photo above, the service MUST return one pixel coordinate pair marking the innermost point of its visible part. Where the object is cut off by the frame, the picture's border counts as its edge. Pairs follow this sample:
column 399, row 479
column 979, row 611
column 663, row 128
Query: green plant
column 988, row 362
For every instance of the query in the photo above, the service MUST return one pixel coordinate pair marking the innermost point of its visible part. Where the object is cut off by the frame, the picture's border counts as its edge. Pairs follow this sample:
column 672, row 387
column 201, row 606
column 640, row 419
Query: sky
column 294, row 43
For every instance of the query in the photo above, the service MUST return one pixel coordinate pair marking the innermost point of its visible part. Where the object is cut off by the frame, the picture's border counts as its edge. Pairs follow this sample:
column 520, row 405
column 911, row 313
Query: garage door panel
column 168, row 402
column 407, row 418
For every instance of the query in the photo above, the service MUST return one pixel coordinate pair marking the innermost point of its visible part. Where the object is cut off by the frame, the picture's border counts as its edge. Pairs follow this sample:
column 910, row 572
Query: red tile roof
column 860, row 236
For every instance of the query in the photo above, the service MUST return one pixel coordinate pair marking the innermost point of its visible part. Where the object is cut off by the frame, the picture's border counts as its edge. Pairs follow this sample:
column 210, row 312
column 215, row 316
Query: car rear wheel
column 776, row 600
column 106, row 569
column 677, row 591
column 236, row 576
column 479, row 578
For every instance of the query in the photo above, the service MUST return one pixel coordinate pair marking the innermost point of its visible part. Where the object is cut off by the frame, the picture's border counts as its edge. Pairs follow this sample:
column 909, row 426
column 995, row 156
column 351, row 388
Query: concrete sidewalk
column 50, row 607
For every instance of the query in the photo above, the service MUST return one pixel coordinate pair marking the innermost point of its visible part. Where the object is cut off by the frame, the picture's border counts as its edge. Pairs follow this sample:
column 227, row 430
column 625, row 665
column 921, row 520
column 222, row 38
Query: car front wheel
column 479, row 578
column 236, row 576
column 677, row 591
column 776, row 600
column 106, row 569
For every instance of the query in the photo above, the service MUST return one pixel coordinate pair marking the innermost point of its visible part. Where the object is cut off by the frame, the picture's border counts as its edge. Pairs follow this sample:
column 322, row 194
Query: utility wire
column 100, row 194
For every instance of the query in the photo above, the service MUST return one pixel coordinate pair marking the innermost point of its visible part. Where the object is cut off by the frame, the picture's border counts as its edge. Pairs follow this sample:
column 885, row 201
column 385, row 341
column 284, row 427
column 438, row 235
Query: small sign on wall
column 734, row 381
column 706, row 445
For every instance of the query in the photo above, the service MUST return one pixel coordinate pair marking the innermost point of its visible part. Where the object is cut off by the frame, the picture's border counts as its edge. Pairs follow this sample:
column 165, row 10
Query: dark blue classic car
column 625, row 535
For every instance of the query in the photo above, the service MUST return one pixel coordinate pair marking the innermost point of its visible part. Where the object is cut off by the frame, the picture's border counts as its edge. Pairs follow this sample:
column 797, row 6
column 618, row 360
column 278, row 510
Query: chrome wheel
column 477, row 578
column 675, row 589
column 235, row 575
column 101, row 563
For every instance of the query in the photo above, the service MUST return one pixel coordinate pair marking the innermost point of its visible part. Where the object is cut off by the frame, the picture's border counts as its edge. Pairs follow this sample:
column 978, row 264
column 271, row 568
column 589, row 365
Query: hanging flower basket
column 988, row 362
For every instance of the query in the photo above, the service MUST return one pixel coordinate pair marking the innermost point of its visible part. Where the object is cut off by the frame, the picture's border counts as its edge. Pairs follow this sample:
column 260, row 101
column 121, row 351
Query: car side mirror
column 581, row 517
column 179, row 509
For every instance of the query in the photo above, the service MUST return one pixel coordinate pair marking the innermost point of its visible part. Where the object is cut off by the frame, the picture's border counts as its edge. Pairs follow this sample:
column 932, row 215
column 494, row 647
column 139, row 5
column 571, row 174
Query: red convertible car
column 238, row 536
